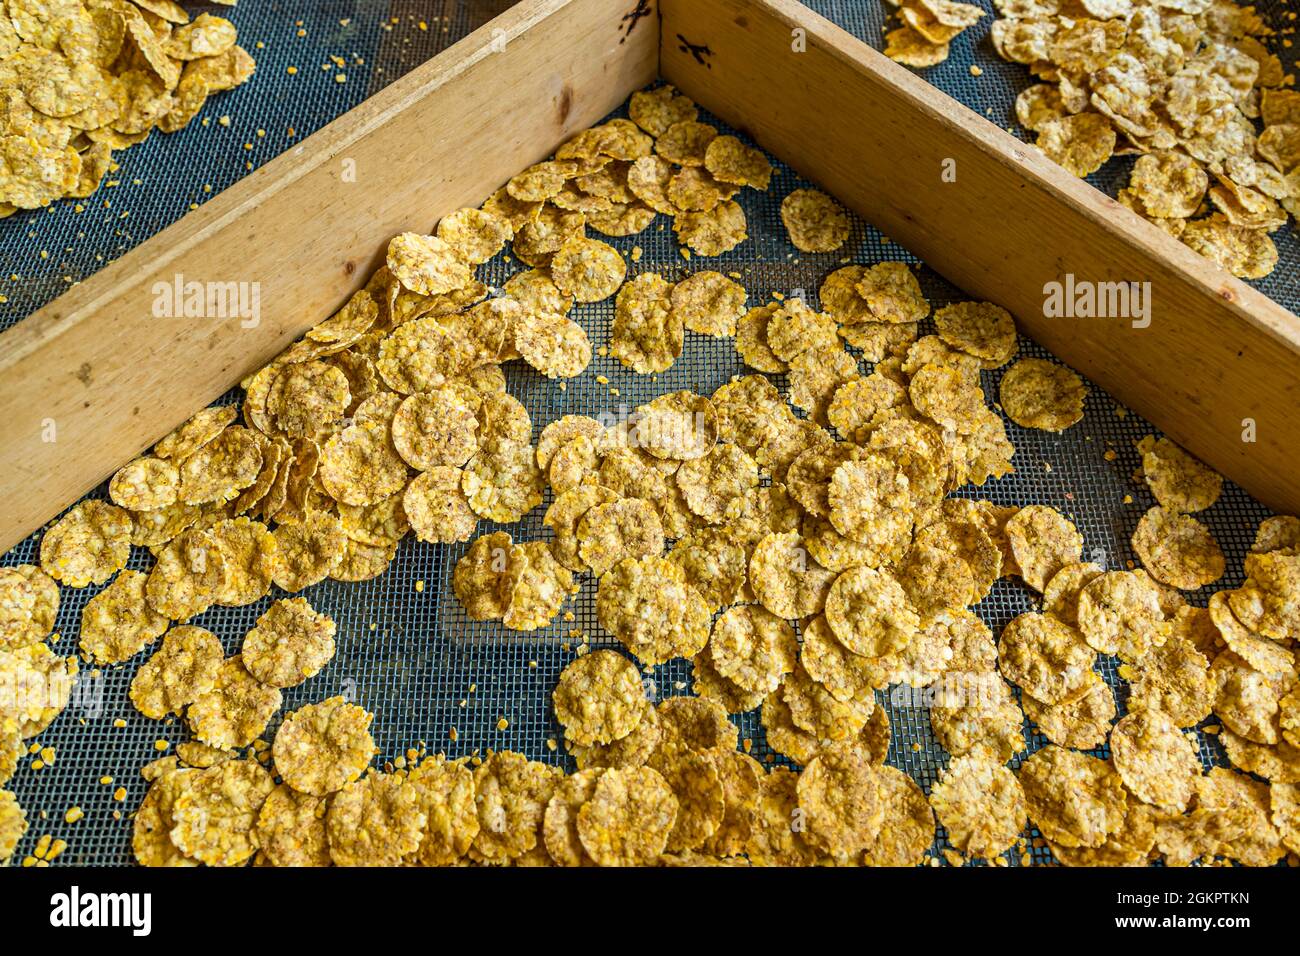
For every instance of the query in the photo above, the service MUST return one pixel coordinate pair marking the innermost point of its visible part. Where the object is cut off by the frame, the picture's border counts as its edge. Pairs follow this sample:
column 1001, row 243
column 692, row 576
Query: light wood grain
column 113, row 379
column 875, row 136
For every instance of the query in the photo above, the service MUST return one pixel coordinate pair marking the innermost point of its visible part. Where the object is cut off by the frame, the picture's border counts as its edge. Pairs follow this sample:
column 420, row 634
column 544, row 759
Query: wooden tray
column 101, row 375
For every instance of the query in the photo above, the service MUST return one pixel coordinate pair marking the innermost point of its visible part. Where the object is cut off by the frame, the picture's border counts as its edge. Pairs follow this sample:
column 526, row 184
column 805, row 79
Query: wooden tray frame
column 98, row 373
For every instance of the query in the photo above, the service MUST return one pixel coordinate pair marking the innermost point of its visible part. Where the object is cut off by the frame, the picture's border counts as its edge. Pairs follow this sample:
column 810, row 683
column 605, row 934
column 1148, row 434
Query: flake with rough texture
column 1156, row 762
column 981, row 804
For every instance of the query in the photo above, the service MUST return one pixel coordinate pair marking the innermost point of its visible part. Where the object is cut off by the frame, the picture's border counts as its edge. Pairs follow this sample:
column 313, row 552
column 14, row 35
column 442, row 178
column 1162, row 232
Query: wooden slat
column 1216, row 354
column 112, row 379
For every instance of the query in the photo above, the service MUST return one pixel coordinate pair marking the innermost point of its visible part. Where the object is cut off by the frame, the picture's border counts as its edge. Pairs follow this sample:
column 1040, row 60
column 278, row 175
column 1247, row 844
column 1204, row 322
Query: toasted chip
column 182, row 670
column 1156, row 762
column 981, row 804
column 648, row 605
column 322, row 748
column 598, row 698
column 88, row 545
column 117, row 623
column 1043, row 541
column 1039, row 394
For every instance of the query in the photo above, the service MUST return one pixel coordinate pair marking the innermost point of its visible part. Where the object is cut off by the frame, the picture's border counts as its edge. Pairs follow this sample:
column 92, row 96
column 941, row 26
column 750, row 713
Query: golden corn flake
column 438, row 427
column 426, row 264
column 511, row 796
column 188, row 577
column 249, row 550
column 436, row 506
column 731, row 161
column 856, row 405
column 445, row 790
column 181, row 671
column 1179, row 481
column 563, row 430
column 1120, row 613
column 215, row 814
column 648, row 180
column 1156, row 762
column 29, row 602
column 553, row 344
column 648, row 605
column 573, row 464
column 947, row 396
column 909, row 831
column 540, row 182
column 1074, row 799
column 321, row 748
column 560, row 821
column 151, row 839
column 1169, row 185
column 1264, row 655
column 474, row 235
column 981, row 804
column 1043, row 541
column 753, row 648
column 976, row 713
column 375, row 821
column 1082, row 723
column 87, row 545
column 612, row 531
column 870, row 501
column 629, row 818
column 563, row 518
column 814, row 221
column 1080, row 143
column 632, row 750
column 484, row 578
column 714, row 231
column 117, row 623
column 815, row 711
column 290, row 643
column 235, row 710
column 1177, row 549
column 909, row 47
column 307, row 550
column 695, row 783
column 795, row 328
column 1048, row 659
column 869, row 613
column 815, row 374
column 535, row 291
column 680, row 426
column 145, row 484
column 686, row 142
column 846, row 676
column 541, row 585
column 656, row 110
column 598, row 698
column 1245, row 252
column 360, row 465
column 709, row 303
column 222, row 468
column 713, row 484
column 981, row 329
column 588, row 269
column 1036, row 393
column 843, row 801
column 45, row 681
column 692, row 189
column 291, row 829
column 751, row 341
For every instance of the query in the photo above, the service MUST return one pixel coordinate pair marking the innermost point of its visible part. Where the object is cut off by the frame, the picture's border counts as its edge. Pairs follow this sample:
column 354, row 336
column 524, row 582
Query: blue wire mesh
column 405, row 648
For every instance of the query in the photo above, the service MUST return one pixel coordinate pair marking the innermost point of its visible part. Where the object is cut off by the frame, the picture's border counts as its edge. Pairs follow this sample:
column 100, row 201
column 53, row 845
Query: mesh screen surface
column 406, row 649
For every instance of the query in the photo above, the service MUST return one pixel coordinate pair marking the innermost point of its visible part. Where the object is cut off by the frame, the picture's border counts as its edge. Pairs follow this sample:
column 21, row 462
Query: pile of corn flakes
column 79, row 80
column 802, row 563
column 1190, row 87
